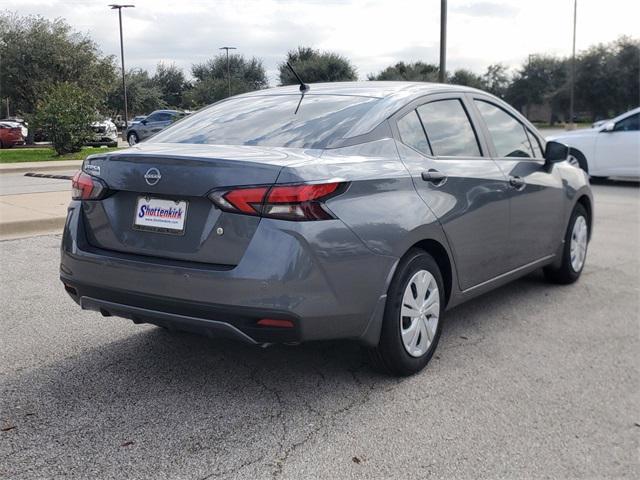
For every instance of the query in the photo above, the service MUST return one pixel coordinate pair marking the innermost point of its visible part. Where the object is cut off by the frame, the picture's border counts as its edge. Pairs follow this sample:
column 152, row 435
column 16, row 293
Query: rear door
column 463, row 187
column 535, row 191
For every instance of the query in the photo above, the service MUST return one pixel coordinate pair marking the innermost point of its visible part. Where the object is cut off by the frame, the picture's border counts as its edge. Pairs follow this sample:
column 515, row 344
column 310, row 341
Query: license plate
column 160, row 215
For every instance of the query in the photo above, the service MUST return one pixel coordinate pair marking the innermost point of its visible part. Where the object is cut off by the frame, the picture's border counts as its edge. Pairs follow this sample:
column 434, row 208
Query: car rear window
column 272, row 121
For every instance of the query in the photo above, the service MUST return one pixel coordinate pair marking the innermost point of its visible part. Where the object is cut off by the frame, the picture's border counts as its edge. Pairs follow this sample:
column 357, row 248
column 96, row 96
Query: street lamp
column 442, row 74
column 124, row 86
column 228, row 70
column 573, row 66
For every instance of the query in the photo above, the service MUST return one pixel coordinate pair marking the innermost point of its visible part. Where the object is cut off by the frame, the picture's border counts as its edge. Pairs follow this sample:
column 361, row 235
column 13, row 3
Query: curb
column 40, row 166
column 23, row 228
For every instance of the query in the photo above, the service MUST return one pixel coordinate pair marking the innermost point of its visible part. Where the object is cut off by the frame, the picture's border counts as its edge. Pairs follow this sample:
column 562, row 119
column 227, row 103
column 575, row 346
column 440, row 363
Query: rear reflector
column 273, row 322
column 287, row 202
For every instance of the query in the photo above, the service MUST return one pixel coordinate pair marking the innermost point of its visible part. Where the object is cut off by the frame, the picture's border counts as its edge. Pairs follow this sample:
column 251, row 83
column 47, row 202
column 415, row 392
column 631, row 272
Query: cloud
column 486, row 9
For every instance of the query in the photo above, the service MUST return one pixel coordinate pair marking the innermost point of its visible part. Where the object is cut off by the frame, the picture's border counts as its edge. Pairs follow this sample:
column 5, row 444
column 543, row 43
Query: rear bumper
column 289, row 271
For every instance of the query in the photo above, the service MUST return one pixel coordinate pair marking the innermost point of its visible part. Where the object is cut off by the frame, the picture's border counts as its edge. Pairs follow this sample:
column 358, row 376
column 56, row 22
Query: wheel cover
column 420, row 313
column 573, row 161
column 578, row 248
column 133, row 139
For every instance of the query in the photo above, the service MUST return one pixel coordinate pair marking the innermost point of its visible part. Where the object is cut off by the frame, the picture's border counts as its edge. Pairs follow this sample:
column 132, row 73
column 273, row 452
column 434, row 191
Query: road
column 530, row 381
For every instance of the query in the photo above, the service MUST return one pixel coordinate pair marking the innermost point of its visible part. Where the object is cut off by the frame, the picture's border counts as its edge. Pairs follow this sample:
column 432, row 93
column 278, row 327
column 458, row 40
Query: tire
column 391, row 355
column 112, row 144
column 577, row 159
column 569, row 271
column 132, row 138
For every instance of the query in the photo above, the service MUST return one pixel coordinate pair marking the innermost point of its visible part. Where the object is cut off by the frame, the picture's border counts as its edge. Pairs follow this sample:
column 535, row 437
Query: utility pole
column 124, row 85
column 442, row 74
column 573, row 65
column 228, row 69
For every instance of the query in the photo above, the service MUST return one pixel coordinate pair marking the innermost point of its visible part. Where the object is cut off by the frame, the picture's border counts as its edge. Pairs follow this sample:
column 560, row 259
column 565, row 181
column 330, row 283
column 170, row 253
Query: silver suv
column 158, row 120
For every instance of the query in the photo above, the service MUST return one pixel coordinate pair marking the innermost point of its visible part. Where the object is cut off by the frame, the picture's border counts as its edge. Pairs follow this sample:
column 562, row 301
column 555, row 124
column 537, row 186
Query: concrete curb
column 54, row 166
column 10, row 230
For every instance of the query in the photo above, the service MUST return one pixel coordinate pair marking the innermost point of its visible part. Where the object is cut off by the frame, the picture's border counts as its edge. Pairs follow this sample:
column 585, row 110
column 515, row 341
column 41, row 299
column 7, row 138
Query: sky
column 371, row 33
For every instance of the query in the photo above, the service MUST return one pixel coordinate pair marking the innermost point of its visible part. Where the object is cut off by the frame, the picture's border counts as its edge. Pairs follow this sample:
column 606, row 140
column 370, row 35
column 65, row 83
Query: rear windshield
column 271, row 121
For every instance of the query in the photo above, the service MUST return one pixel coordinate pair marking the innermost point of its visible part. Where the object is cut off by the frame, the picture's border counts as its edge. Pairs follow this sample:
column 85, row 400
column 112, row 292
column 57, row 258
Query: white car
column 104, row 133
column 608, row 150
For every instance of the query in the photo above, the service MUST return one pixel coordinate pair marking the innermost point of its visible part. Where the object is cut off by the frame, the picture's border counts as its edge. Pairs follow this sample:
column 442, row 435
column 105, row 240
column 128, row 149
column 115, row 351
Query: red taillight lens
column 287, row 202
column 274, row 322
column 86, row 187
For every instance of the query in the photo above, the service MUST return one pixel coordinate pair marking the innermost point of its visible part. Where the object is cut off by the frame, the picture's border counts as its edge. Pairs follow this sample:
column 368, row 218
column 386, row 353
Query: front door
column 618, row 151
column 465, row 190
column 536, row 193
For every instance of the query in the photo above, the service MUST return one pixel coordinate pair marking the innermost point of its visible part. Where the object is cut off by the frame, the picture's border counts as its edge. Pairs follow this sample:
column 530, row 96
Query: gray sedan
column 150, row 125
column 345, row 210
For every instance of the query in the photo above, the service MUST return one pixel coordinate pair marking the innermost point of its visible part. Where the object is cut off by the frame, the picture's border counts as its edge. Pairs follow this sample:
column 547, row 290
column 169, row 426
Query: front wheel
column 132, row 138
column 412, row 320
column 574, row 253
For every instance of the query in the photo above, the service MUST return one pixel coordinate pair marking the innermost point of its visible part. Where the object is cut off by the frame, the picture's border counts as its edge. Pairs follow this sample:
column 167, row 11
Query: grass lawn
column 15, row 155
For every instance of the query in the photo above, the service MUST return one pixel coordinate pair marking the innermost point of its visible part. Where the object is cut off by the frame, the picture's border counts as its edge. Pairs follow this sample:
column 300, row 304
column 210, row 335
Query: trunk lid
column 183, row 174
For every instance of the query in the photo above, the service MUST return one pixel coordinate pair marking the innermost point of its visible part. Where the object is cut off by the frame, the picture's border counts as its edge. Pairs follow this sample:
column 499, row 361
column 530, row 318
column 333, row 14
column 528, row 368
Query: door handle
column 517, row 182
column 433, row 176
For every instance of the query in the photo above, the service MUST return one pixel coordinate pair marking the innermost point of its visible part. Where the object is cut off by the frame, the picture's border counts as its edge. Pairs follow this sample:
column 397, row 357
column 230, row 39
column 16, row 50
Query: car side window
column 163, row 117
column 629, row 124
column 508, row 134
column 535, row 143
column 412, row 133
column 449, row 129
column 153, row 118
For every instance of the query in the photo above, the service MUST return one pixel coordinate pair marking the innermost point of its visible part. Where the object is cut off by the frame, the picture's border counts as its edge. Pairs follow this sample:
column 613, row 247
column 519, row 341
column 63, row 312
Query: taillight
column 86, row 187
column 287, row 202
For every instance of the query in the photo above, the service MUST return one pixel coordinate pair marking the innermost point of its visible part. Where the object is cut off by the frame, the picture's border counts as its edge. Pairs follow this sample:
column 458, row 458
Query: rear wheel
column 574, row 253
column 412, row 320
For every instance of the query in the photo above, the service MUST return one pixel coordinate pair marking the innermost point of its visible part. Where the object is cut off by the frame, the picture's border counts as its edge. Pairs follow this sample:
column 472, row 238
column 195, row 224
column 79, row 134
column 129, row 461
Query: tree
column 496, row 80
column 143, row 96
column 466, row 77
column 38, row 53
column 410, row 72
column 315, row 66
column 65, row 115
column 171, row 82
column 211, row 82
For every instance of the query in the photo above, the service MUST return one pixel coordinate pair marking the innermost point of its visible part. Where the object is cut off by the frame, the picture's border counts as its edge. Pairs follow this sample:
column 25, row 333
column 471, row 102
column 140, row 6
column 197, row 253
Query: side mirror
column 608, row 127
column 555, row 152
column 144, row 122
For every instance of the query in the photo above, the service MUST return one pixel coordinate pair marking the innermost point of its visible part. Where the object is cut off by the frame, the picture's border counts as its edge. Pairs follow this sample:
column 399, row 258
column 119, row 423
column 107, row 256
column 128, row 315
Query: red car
column 10, row 135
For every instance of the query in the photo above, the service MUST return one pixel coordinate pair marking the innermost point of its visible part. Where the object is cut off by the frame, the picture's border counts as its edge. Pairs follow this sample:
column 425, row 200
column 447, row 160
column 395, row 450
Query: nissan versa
column 339, row 210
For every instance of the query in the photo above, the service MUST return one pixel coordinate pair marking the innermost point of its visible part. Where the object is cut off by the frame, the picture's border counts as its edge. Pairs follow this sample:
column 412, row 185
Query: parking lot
column 532, row 380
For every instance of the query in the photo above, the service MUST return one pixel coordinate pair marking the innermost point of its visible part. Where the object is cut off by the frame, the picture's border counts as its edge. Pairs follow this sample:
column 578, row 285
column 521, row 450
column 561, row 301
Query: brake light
column 86, row 187
column 287, row 202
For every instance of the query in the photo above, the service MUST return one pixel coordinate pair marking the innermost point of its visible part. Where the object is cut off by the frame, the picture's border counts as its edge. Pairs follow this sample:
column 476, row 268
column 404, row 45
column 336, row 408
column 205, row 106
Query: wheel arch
column 582, row 159
column 442, row 258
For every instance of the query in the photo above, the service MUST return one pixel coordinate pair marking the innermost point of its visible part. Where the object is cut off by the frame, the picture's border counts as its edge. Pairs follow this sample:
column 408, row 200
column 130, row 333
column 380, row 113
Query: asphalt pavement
column 530, row 381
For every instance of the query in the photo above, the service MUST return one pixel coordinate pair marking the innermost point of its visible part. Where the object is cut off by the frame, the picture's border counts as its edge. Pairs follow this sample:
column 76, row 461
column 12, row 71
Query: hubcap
column 133, row 140
column 419, row 313
column 573, row 161
column 578, row 247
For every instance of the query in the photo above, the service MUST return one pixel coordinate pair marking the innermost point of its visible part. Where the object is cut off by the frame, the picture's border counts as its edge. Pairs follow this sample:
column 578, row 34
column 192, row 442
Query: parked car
column 10, row 134
column 610, row 149
column 358, row 210
column 157, row 121
column 104, row 133
column 18, row 122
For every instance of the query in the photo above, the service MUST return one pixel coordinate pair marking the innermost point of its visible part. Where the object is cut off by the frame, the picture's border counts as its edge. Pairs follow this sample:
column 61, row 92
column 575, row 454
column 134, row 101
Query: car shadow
column 201, row 400
column 617, row 182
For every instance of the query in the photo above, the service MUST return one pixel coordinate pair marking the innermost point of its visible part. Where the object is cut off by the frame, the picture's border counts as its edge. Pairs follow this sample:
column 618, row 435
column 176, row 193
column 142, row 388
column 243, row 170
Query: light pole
column 228, row 70
column 442, row 74
column 124, row 85
column 573, row 66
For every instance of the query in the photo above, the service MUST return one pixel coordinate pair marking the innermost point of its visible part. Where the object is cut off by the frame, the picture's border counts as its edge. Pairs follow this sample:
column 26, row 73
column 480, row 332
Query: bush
column 65, row 116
